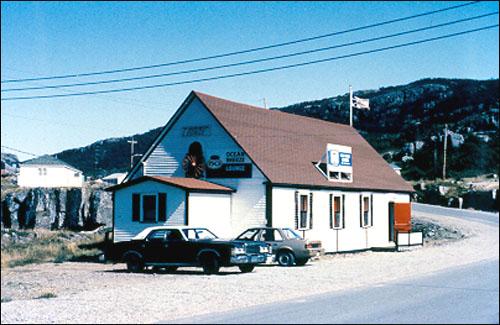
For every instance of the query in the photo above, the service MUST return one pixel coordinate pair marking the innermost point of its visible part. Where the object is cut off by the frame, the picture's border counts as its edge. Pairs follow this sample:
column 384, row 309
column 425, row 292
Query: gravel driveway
column 105, row 293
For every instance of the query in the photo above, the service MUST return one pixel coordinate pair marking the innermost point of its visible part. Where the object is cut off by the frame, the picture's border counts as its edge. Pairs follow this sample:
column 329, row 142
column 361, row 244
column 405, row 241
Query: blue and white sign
column 339, row 158
column 336, row 158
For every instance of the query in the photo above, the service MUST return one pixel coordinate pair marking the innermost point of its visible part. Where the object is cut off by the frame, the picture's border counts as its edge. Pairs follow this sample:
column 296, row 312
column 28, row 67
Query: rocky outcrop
column 99, row 209
column 55, row 208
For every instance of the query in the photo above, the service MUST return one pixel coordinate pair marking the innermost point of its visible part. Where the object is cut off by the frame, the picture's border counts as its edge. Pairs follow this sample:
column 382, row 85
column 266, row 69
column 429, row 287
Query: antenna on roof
column 265, row 104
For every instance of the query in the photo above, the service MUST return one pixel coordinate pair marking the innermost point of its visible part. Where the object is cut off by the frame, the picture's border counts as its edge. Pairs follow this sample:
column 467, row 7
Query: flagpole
column 350, row 105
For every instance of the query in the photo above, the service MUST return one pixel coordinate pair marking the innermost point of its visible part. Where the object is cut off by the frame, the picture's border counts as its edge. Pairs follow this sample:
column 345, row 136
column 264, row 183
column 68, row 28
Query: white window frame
column 308, row 215
column 363, row 224
column 341, row 225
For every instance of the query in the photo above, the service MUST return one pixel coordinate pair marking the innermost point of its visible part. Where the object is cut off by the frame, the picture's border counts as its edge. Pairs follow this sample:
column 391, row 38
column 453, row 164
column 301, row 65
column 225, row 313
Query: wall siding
column 352, row 236
column 125, row 228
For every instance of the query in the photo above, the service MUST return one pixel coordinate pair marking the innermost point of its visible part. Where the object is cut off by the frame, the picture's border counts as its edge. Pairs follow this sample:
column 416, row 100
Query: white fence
column 406, row 239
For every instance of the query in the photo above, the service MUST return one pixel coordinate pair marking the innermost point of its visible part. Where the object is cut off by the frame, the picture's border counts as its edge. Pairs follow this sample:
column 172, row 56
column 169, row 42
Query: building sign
column 336, row 158
column 230, row 165
column 231, row 171
column 235, row 156
column 339, row 162
column 196, row 131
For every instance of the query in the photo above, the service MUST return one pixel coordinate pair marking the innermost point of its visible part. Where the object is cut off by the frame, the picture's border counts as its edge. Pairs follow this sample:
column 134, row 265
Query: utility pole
column 444, row 149
column 97, row 157
column 435, row 156
column 265, row 104
column 132, row 142
column 350, row 105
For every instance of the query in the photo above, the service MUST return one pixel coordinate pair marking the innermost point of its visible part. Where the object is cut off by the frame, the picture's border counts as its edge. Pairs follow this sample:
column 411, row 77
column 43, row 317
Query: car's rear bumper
column 248, row 259
column 315, row 252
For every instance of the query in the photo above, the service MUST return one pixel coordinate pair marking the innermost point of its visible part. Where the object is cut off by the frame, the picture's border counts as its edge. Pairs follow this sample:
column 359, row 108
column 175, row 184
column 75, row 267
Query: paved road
column 467, row 294
column 483, row 217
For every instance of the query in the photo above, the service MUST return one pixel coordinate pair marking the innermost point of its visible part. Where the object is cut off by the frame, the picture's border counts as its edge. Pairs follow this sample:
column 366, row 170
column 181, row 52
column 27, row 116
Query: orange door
column 402, row 217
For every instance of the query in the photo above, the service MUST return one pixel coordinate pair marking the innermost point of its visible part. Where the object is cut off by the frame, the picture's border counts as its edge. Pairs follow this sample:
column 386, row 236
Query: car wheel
column 134, row 263
column 246, row 268
column 301, row 262
column 285, row 259
column 210, row 265
column 171, row 269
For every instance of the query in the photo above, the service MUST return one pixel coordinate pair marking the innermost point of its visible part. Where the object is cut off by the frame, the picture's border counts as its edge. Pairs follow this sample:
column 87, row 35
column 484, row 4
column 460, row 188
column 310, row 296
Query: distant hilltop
column 405, row 124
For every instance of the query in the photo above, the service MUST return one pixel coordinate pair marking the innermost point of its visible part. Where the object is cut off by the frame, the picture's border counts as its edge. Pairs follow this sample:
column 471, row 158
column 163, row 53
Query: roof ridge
column 49, row 158
column 197, row 93
column 187, row 183
column 262, row 109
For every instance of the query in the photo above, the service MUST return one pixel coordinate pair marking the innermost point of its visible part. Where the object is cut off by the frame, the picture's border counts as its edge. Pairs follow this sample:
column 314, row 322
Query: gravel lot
column 105, row 293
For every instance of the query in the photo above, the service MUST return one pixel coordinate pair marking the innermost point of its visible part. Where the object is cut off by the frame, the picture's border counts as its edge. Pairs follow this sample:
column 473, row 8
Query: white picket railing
column 406, row 239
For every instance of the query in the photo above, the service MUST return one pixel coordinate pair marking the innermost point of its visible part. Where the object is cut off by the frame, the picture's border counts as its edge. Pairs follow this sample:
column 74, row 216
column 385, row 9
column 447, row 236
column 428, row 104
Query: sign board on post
column 339, row 162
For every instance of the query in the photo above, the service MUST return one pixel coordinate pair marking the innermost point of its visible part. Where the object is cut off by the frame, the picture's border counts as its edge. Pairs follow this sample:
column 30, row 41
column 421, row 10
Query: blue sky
column 52, row 38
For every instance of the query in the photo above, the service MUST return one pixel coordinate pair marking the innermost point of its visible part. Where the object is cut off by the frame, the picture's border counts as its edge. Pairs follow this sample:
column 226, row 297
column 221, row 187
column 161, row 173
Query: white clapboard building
column 48, row 171
column 229, row 166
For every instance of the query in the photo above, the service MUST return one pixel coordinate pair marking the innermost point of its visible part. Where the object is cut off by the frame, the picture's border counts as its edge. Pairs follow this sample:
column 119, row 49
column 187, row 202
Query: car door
column 272, row 237
column 154, row 250
column 176, row 248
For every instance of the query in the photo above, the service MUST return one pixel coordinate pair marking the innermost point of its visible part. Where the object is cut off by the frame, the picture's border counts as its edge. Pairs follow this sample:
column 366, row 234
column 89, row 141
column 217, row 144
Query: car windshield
column 198, row 233
column 290, row 234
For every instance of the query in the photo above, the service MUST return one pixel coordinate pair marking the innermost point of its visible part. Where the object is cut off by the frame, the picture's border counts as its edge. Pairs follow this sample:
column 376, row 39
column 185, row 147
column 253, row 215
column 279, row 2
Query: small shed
column 157, row 200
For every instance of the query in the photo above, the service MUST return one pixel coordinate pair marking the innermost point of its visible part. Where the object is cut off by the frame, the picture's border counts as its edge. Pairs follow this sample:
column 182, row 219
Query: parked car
column 171, row 247
column 287, row 246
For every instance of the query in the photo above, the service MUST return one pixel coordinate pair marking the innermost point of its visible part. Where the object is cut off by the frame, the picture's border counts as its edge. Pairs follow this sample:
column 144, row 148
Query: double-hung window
column 366, row 211
column 149, row 208
column 304, row 207
column 336, row 212
column 303, row 210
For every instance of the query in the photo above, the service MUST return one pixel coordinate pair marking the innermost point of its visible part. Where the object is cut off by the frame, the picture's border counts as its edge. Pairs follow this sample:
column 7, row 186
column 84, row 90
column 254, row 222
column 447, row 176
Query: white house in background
column 115, row 178
column 229, row 166
column 47, row 171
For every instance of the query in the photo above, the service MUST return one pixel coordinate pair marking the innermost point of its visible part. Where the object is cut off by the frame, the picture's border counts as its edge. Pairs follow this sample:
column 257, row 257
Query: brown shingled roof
column 284, row 146
column 190, row 184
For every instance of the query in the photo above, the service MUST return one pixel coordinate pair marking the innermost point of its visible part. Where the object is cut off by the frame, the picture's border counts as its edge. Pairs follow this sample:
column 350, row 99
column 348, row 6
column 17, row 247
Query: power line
column 67, row 124
column 255, row 71
column 308, row 39
column 108, row 99
column 253, row 61
column 20, row 151
column 88, row 127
